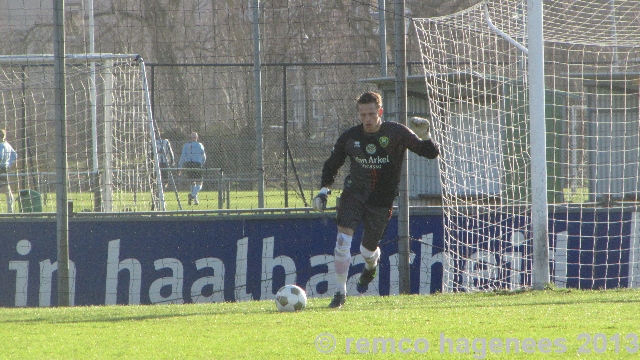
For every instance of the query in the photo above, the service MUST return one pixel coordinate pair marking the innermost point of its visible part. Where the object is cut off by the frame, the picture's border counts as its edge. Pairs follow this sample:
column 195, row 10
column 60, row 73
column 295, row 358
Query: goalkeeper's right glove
column 320, row 201
column 421, row 127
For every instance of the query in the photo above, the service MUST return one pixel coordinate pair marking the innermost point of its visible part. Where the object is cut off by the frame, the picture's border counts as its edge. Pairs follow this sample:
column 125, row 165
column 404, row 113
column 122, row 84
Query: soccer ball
column 291, row 298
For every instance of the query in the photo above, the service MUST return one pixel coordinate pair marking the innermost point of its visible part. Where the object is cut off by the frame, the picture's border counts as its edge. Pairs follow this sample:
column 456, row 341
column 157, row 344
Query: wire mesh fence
column 199, row 57
column 305, row 108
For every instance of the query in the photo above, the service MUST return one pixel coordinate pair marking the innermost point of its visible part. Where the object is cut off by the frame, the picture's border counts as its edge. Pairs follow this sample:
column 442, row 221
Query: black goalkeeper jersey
column 376, row 161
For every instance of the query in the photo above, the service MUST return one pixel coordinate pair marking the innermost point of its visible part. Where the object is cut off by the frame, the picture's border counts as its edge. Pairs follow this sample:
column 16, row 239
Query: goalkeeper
column 376, row 151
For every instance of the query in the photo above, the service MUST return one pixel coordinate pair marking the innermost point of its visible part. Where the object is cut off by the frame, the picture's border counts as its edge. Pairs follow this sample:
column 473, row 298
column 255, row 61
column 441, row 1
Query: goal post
column 110, row 131
column 539, row 204
column 571, row 152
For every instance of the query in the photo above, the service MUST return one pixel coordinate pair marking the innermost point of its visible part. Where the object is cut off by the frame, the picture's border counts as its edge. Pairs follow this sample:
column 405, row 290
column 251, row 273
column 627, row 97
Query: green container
column 30, row 201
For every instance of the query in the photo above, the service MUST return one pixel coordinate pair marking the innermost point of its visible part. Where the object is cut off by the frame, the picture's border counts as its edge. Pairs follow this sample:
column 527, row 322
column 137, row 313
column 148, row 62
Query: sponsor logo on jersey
column 356, row 144
column 384, row 141
column 373, row 162
column 371, row 149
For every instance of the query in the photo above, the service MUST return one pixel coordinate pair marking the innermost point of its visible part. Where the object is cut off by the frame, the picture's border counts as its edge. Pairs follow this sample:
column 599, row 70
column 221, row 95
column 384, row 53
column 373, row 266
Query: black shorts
column 193, row 175
column 353, row 211
column 4, row 176
column 164, row 172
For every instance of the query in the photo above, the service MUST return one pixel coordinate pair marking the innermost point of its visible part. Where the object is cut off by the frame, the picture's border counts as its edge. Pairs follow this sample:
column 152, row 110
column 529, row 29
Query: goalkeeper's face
column 370, row 117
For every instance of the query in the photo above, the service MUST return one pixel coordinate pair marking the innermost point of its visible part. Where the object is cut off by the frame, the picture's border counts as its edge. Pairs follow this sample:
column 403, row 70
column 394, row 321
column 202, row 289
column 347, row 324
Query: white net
column 108, row 133
column 477, row 84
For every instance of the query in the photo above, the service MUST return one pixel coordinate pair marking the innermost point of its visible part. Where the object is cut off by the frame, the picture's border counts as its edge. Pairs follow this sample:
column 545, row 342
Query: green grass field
column 544, row 324
column 83, row 202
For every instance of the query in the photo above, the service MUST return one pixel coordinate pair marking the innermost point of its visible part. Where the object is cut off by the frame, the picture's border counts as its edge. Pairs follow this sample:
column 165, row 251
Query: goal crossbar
column 48, row 58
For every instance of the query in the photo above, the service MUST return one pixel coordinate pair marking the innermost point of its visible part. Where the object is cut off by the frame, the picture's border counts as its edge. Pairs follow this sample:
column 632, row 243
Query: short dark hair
column 370, row 97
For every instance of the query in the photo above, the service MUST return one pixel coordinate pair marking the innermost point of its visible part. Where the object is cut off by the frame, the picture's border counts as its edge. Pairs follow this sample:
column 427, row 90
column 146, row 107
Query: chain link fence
column 199, row 58
column 305, row 108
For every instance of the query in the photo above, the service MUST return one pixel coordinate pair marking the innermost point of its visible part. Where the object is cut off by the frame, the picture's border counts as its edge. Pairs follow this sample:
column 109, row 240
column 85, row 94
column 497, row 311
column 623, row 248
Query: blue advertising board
column 136, row 260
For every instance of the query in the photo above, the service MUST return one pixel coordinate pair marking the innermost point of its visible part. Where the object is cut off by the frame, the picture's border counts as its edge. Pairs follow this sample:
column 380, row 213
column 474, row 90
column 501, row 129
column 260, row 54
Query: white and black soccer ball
column 291, row 298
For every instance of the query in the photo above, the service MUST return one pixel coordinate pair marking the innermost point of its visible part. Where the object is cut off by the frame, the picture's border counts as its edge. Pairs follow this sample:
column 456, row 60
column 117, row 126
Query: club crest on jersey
column 384, row 141
column 371, row 149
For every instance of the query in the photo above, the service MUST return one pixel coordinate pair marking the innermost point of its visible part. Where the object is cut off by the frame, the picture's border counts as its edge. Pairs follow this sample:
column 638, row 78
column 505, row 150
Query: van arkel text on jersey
column 373, row 162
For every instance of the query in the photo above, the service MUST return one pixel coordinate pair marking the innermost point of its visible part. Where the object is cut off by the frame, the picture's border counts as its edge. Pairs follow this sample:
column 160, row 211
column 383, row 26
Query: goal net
column 110, row 133
column 475, row 67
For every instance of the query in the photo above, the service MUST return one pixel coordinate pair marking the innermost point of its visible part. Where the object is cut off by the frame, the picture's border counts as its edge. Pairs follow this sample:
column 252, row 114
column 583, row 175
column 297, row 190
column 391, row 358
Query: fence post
column 220, row 189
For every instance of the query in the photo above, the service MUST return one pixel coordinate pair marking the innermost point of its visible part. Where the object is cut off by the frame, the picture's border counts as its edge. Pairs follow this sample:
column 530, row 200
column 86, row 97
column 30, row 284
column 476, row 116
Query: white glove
column 421, row 127
column 320, row 201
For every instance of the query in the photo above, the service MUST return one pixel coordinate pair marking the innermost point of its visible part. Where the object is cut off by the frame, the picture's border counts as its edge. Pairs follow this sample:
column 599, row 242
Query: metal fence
column 305, row 108
column 198, row 56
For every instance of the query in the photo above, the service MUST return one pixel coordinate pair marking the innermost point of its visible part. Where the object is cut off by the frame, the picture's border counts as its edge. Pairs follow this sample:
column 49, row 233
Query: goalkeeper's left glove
column 421, row 127
column 320, row 201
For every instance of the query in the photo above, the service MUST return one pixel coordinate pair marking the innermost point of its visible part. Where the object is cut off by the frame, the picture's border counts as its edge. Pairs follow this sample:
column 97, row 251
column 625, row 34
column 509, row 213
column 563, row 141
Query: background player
column 8, row 157
column 165, row 158
column 193, row 156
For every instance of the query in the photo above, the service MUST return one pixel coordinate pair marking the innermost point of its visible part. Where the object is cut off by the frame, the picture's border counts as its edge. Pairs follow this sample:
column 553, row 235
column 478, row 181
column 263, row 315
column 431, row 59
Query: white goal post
column 110, row 132
column 478, row 76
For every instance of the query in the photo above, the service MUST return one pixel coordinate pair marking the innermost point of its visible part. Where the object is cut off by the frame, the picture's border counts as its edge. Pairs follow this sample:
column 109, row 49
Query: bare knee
column 345, row 230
